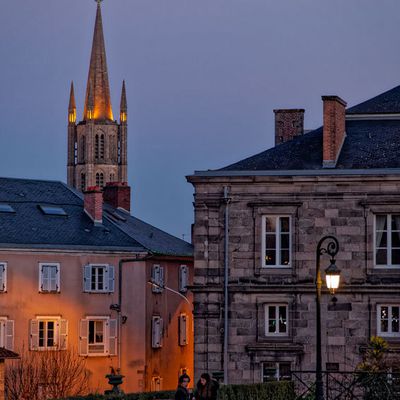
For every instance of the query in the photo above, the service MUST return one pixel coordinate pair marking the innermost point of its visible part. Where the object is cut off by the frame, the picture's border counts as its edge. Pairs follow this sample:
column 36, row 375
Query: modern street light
column 155, row 284
column 332, row 282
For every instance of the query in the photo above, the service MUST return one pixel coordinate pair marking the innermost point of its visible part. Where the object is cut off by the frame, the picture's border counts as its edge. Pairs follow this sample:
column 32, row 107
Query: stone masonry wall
column 343, row 206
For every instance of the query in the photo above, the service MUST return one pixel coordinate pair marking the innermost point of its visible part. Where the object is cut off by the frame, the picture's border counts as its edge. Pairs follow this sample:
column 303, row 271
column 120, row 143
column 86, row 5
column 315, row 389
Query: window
column 276, row 241
column 388, row 320
column 82, row 152
column 98, row 278
column 6, row 208
column 99, row 147
column 48, row 333
column 83, row 181
column 275, row 371
column 98, row 336
column 183, row 330
column 276, row 320
column 100, row 179
column 3, row 277
column 52, row 210
column 158, row 278
column 183, row 278
column 6, row 333
column 49, row 277
column 156, row 330
column 387, row 240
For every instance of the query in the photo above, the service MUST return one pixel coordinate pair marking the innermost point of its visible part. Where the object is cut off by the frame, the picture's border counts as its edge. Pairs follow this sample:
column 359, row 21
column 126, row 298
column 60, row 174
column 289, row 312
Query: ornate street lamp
column 332, row 282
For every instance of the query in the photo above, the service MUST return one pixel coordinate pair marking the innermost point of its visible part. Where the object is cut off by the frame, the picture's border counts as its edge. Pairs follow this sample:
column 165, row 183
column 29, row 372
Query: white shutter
column 158, row 278
column 111, row 278
column 34, row 342
column 53, row 272
column 183, row 278
column 112, row 337
column 83, row 337
column 3, row 277
column 156, row 337
column 183, row 330
column 87, row 278
column 43, row 281
column 63, row 334
column 9, row 335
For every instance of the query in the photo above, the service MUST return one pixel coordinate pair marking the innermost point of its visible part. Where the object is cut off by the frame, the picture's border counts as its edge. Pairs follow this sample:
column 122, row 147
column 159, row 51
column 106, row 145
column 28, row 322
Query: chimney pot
column 289, row 123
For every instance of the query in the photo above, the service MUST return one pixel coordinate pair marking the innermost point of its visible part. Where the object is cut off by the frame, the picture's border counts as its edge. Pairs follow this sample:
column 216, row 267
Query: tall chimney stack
column 288, row 124
column 334, row 130
column 118, row 195
column 93, row 204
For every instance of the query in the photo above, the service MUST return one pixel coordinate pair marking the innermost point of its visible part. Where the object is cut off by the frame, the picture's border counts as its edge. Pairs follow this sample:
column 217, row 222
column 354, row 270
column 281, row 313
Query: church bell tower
column 97, row 145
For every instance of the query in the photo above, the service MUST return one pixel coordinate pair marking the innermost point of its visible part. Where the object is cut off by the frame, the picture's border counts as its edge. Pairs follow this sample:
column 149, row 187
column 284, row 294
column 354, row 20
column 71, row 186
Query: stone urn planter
column 114, row 379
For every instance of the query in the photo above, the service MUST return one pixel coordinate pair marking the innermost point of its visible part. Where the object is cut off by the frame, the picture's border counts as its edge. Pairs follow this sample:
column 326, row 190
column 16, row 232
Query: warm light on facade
column 123, row 117
column 89, row 114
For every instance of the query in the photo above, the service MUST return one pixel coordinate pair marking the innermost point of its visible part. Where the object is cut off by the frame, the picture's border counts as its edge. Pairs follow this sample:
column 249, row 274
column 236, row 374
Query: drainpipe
column 226, row 277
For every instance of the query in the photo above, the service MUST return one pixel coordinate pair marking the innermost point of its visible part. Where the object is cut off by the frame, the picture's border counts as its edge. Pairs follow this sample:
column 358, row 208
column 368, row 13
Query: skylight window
column 6, row 208
column 52, row 210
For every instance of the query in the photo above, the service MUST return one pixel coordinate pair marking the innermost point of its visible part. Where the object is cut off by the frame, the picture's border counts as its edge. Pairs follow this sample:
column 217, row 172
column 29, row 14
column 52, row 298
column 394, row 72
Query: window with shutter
column 157, row 328
column 3, row 277
column 9, row 335
column 158, row 278
column 98, row 336
column 48, row 333
column 156, row 384
column 63, row 334
column 183, row 330
column 49, row 278
column 98, row 278
column 183, row 278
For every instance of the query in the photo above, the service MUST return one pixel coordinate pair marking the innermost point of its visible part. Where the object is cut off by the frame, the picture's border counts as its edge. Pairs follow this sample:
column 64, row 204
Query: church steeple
column 98, row 75
column 97, row 145
column 72, row 106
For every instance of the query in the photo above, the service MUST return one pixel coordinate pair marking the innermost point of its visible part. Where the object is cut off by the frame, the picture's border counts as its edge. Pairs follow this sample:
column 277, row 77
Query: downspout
column 226, row 277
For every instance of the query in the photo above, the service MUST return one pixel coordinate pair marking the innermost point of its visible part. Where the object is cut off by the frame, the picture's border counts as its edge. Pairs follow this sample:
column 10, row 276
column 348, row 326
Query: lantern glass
column 332, row 277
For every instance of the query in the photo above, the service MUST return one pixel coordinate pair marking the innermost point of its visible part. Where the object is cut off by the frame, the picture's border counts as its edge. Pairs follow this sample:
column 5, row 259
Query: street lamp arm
column 331, row 249
column 151, row 282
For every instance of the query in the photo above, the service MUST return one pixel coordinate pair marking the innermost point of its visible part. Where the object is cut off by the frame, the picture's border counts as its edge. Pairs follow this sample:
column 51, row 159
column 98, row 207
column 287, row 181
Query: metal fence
column 341, row 385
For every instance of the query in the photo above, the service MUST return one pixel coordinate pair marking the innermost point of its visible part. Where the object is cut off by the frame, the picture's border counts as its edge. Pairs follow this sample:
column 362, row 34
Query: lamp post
column 332, row 282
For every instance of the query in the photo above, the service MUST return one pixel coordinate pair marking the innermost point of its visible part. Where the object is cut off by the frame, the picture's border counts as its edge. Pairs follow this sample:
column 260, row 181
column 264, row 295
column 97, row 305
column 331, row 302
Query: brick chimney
column 288, row 124
column 118, row 195
column 334, row 129
column 93, row 204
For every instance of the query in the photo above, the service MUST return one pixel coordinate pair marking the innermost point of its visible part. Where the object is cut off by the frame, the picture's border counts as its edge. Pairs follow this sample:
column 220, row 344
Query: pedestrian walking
column 182, row 392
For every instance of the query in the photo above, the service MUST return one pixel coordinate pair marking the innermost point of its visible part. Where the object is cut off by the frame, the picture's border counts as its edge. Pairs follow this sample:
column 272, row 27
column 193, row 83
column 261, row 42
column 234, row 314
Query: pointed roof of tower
column 72, row 104
column 124, row 103
column 98, row 75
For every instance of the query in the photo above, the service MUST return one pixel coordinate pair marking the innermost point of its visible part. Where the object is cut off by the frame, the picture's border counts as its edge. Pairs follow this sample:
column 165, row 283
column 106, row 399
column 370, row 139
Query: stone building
column 269, row 211
column 97, row 145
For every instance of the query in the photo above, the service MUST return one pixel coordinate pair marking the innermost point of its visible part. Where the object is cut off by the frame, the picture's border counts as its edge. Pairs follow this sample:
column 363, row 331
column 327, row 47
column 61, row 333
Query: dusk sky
column 202, row 76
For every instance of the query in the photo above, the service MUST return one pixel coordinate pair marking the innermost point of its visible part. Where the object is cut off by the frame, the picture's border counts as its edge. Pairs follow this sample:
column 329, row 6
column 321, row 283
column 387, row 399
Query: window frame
column 58, row 279
column 60, row 338
column 389, row 247
column 107, row 337
column 390, row 333
column 5, row 325
column 266, row 319
column 108, row 276
column 277, row 367
column 278, row 263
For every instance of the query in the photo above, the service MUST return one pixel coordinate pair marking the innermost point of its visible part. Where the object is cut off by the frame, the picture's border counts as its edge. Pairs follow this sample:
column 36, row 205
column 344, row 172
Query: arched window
column 101, row 146
column 96, row 146
column 82, row 149
column 83, row 181
column 112, row 177
column 100, row 179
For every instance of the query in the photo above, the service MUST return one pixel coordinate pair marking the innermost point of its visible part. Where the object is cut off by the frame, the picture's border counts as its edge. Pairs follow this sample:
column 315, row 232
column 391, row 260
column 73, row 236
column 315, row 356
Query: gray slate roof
column 385, row 103
column 369, row 144
column 29, row 227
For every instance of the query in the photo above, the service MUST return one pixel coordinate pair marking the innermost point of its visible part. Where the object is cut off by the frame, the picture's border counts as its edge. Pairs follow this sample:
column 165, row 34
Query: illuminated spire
column 124, row 104
column 72, row 106
column 98, row 75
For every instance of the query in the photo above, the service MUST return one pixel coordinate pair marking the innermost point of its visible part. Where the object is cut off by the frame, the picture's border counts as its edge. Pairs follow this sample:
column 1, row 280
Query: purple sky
column 202, row 80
